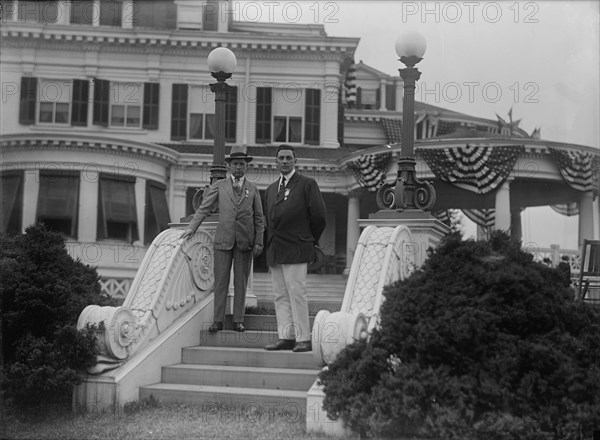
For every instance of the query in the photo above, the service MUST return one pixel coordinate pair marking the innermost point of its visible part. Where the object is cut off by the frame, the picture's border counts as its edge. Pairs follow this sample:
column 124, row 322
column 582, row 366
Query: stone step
column 256, row 322
column 233, row 376
column 247, row 339
column 248, row 357
column 241, row 401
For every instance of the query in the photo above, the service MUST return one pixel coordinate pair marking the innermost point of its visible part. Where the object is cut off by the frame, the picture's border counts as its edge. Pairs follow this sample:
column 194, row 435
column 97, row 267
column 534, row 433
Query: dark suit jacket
column 240, row 221
column 294, row 222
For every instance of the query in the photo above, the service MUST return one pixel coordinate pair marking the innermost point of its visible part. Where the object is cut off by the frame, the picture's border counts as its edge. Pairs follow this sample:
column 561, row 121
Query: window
column 155, row 14
column 287, row 129
column 11, row 203
column 58, row 202
column 197, row 111
column 117, row 218
column 38, row 12
column 125, row 104
column 82, row 12
column 55, row 99
column 202, row 126
column 288, row 107
column 210, row 16
column 157, row 211
column 110, row 12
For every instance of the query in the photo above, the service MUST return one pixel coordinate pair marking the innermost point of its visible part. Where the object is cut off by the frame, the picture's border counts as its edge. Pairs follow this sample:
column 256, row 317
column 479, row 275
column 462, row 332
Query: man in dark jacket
column 295, row 220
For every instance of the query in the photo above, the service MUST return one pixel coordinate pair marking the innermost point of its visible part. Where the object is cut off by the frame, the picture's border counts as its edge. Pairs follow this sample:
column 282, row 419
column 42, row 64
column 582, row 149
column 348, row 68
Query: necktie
column 237, row 184
column 281, row 188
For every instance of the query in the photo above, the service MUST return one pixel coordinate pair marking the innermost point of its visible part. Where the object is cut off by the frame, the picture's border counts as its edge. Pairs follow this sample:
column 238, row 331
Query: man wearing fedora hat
column 238, row 237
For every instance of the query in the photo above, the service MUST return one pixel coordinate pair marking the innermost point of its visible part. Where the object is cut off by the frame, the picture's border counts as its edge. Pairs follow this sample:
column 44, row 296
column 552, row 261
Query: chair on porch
column 589, row 276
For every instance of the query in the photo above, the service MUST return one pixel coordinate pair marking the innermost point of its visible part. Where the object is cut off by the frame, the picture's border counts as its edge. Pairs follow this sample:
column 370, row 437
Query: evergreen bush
column 480, row 343
column 43, row 291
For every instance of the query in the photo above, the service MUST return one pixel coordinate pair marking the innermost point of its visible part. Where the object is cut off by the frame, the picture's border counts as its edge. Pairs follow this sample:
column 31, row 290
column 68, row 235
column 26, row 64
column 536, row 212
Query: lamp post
column 408, row 192
column 221, row 63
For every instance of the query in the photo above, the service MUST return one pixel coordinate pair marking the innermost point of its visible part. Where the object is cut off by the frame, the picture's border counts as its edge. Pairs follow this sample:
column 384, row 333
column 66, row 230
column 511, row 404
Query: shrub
column 43, row 291
column 480, row 343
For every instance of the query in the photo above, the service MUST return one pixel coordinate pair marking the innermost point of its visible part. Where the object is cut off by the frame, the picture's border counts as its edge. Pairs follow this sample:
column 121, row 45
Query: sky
column 540, row 58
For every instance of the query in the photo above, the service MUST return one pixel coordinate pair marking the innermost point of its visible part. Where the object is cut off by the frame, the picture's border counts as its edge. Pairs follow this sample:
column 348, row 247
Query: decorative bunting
column 392, row 129
column 350, row 85
column 482, row 217
column 568, row 209
column 369, row 170
column 478, row 169
column 445, row 216
column 579, row 169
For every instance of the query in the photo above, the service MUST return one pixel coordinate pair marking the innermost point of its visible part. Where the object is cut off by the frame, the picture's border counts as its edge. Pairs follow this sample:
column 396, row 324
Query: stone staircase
column 323, row 291
column 233, row 369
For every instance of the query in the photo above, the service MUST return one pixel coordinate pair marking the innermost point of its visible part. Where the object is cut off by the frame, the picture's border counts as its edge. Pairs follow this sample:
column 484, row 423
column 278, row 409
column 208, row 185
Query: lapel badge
column 286, row 194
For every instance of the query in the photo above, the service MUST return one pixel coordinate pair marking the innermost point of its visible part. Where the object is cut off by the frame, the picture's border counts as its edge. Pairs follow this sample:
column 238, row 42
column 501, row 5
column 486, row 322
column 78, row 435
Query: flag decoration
column 369, row 170
column 350, row 85
column 579, row 169
column 568, row 209
column 477, row 169
column 392, row 129
column 482, row 217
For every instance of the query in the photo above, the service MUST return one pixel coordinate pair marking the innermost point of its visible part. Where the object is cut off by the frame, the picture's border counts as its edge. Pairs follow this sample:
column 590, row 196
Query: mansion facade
column 108, row 128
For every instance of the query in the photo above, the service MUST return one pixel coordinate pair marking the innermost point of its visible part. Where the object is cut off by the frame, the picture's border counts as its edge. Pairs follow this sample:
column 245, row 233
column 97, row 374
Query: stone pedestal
column 425, row 229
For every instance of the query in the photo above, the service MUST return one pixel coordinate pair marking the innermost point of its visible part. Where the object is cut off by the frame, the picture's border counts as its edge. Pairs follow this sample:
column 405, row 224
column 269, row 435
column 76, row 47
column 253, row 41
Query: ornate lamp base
column 407, row 192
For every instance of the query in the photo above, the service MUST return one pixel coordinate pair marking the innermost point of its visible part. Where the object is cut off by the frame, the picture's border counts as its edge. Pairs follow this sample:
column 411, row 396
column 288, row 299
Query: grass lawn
column 152, row 420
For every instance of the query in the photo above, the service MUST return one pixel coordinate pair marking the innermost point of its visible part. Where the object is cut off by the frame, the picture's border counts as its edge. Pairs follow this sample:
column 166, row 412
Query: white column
column 329, row 106
column 586, row 217
column 382, row 94
column 503, row 207
column 127, row 14
column 96, row 13
column 31, row 191
column 63, row 12
column 353, row 229
column 178, row 206
column 140, row 205
column 88, row 205
column 90, row 108
column 399, row 93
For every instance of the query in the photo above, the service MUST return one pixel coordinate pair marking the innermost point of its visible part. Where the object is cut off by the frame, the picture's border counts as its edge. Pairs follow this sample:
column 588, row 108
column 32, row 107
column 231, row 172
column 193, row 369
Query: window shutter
column 264, row 103
column 11, row 202
column 79, row 109
column 28, row 98
column 151, row 102
column 312, row 117
column 179, row 112
column 231, row 114
column 101, row 102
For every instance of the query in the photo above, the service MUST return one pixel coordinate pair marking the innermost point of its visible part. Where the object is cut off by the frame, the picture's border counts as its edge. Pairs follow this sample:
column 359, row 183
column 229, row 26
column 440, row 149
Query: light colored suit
column 240, row 227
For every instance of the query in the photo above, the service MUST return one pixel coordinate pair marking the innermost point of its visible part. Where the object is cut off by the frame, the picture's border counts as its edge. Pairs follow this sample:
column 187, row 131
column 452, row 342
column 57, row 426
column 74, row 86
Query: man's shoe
column 302, row 346
column 238, row 327
column 215, row 327
column 281, row 344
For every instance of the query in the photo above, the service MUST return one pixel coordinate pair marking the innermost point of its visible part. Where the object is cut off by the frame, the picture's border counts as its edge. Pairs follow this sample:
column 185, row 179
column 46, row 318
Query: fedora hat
column 238, row 152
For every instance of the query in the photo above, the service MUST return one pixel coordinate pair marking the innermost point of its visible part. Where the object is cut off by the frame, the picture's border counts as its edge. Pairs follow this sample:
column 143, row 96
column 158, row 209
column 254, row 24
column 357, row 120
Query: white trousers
column 291, row 303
